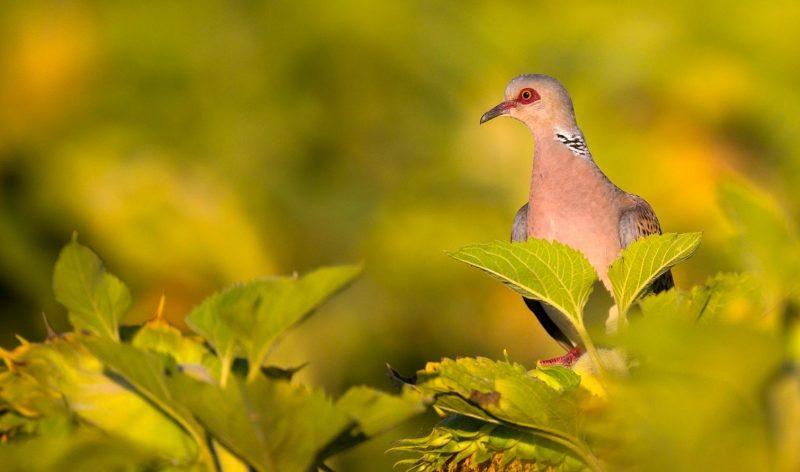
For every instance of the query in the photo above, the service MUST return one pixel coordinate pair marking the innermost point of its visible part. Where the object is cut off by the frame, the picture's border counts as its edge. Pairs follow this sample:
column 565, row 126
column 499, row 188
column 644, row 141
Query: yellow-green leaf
column 273, row 425
column 188, row 351
column 507, row 393
column 65, row 369
column 249, row 318
column 146, row 373
column 548, row 271
column 644, row 260
column 96, row 300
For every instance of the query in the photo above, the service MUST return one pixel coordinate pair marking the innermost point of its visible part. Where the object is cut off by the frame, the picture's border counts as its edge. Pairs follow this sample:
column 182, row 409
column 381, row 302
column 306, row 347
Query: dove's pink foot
column 566, row 360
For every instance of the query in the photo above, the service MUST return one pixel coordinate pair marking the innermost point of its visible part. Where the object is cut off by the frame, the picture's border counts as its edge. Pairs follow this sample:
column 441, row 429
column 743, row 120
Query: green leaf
column 271, row 424
column 146, row 373
column 276, row 426
column 548, row 271
column 505, row 390
column 189, row 352
column 707, row 380
column 726, row 296
column 86, row 449
column 459, row 437
column 722, row 296
column 96, row 300
column 372, row 413
column 66, row 371
column 24, row 394
column 250, row 318
column 507, row 393
column 644, row 260
column 228, row 461
column 375, row 411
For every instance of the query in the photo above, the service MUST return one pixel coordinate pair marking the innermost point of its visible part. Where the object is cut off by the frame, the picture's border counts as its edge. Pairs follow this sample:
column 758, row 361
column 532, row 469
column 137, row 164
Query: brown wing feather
column 637, row 221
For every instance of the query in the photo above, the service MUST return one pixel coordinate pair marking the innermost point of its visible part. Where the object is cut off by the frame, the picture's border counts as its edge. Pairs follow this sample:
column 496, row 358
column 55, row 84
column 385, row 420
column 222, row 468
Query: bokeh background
column 195, row 144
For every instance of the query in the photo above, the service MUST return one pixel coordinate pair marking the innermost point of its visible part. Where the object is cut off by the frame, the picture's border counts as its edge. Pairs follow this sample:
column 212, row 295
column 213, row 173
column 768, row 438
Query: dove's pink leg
column 566, row 360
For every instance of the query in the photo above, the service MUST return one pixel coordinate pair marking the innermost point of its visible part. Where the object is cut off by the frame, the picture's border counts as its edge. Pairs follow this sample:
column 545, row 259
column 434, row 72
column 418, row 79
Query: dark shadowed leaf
column 271, row 424
column 276, row 426
column 372, row 413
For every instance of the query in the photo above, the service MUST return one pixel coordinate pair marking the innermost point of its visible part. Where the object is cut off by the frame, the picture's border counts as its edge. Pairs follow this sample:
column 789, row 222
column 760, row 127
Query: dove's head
column 536, row 100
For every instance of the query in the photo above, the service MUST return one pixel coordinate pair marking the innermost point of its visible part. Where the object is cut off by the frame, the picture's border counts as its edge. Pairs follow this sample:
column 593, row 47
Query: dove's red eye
column 528, row 95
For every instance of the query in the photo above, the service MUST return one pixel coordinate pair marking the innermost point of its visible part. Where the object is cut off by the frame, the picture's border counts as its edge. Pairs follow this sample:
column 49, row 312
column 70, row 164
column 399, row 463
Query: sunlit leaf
column 24, row 394
column 228, row 461
column 146, row 373
column 728, row 296
column 507, row 393
column 96, row 300
column 547, row 271
column 479, row 443
column 644, row 260
column 158, row 336
column 249, row 318
column 65, row 369
column 86, row 449
column 506, row 390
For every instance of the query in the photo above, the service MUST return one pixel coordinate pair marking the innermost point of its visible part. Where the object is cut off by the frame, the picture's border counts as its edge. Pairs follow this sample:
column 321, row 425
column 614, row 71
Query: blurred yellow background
column 195, row 144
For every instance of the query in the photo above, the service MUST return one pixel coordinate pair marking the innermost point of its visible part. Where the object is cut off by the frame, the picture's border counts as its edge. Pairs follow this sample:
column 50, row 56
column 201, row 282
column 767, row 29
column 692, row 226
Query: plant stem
column 592, row 350
column 225, row 369
column 622, row 316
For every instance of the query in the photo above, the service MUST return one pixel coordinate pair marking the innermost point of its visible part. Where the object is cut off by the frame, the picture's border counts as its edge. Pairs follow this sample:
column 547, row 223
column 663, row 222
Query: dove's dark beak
column 501, row 109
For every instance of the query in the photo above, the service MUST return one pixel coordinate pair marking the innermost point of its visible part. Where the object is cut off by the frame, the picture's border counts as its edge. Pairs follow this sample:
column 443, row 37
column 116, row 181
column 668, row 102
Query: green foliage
column 459, row 438
column 543, row 270
column 545, row 404
column 697, row 380
column 644, row 260
column 548, row 271
column 249, row 318
column 78, row 400
column 710, row 301
column 96, row 300
column 275, row 426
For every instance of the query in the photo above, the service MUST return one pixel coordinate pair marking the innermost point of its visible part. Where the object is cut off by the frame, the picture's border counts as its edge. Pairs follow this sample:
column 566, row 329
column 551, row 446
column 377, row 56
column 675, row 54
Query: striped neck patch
column 575, row 142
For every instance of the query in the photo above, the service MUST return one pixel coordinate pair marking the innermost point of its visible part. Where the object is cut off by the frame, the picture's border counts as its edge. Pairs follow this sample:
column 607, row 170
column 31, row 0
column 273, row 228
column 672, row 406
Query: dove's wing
column 637, row 221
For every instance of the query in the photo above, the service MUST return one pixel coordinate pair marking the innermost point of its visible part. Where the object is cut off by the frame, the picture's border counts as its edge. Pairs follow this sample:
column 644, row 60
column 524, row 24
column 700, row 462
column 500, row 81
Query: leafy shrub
column 704, row 379
column 160, row 399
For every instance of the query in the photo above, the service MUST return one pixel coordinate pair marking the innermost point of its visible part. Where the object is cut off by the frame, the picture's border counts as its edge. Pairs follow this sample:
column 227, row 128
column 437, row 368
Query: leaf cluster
column 162, row 399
